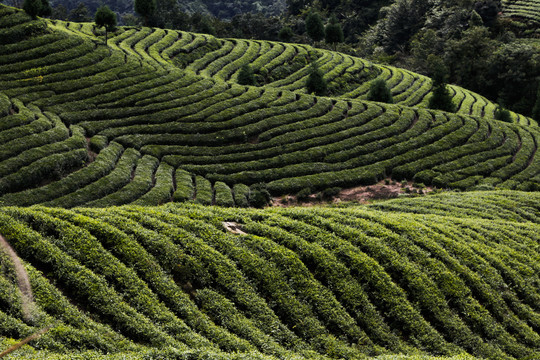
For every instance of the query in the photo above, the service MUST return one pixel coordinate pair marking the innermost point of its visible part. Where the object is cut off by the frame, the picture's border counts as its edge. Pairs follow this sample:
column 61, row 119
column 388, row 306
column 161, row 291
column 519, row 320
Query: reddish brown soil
column 359, row 194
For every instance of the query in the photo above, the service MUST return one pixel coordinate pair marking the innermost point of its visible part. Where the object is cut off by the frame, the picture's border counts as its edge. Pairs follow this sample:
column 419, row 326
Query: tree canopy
column 379, row 91
column 314, row 26
column 316, row 84
column 105, row 17
column 145, row 8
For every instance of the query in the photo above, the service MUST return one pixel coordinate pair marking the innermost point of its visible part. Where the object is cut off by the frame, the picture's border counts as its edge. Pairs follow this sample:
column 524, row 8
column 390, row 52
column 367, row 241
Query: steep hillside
column 285, row 66
column 198, row 282
column 157, row 116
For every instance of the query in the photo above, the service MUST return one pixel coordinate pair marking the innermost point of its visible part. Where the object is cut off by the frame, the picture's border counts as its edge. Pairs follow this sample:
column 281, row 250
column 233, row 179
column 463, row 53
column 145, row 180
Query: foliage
column 145, row 8
column 246, row 76
column 536, row 109
column 172, row 282
column 303, row 194
column 503, row 114
column 379, row 91
column 285, row 34
column 314, row 26
column 316, row 84
column 333, row 33
column 148, row 120
column 33, row 7
column 331, row 192
column 259, row 196
column 105, row 18
column 441, row 98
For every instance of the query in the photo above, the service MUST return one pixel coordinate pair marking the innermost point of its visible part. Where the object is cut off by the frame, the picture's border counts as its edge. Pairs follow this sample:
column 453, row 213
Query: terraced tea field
column 528, row 10
column 158, row 116
column 281, row 65
column 314, row 283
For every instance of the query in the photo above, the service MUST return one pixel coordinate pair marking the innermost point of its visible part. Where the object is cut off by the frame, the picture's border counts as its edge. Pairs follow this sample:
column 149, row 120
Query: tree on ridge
column 107, row 18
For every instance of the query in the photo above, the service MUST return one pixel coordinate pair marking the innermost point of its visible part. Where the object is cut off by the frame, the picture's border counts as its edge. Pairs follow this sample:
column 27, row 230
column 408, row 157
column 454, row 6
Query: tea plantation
column 172, row 282
column 157, row 116
column 94, row 136
column 528, row 10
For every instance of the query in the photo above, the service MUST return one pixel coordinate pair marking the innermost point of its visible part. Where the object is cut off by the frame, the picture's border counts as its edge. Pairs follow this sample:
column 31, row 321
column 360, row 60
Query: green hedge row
column 38, row 125
column 47, row 168
column 110, row 183
column 522, row 159
column 48, row 63
column 163, row 111
column 127, row 44
column 289, row 165
column 389, row 298
column 475, row 325
column 303, row 240
column 204, row 194
column 239, row 128
column 183, row 38
column 23, row 31
column 171, row 121
column 82, row 98
column 87, row 287
column 155, row 50
column 5, row 106
column 140, row 185
column 296, row 80
column 162, row 252
column 127, row 267
column 104, row 164
column 163, row 189
column 185, row 190
column 241, row 195
column 242, row 53
column 142, row 46
column 284, row 57
column 224, row 196
column 202, row 264
column 265, row 57
column 35, row 48
column 361, row 91
column 416, row 94
column 55, row 142
column 199, row 65
column 270, row 282
column 357, row 116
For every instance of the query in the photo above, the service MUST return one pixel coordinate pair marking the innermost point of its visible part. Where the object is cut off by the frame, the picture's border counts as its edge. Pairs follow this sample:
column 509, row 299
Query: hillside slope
column 281, row 283
column 157, row 116
column 284, row 66
column 528, row 10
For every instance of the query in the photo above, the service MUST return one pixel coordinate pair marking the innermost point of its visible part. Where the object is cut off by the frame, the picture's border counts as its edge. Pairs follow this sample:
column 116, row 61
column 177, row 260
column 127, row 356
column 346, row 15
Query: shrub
column 285, row 34
column 246, row 76
column 503, row 114
column 316, row 84
column 379, row 91
column 333, row 33
column 331, row 192
column 32, row 7
column 314, row 26
column 441, row 99
column 223, row 194
column 303, row 194
column 241, row 195
column 259, row 196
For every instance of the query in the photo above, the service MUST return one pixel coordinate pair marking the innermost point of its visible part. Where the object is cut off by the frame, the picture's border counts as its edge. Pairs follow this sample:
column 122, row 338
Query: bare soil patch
column 386, row 189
